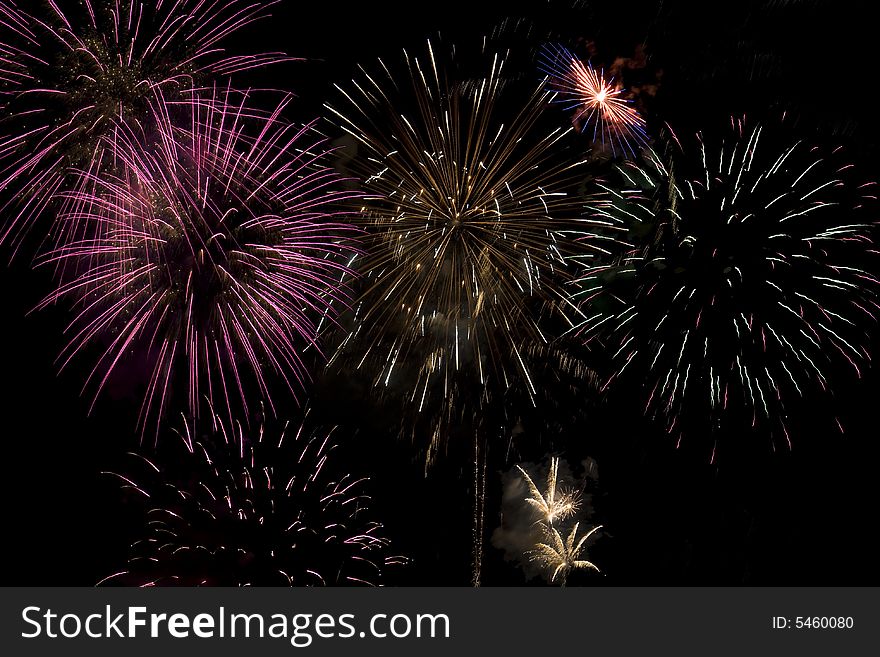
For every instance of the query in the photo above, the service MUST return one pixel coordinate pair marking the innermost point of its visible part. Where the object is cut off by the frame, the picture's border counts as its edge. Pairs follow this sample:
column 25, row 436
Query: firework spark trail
column 560, row 557
column 481, row 462
column 69, row 73
column 220, row 248
column 555, row 504
column 754, row 281
column 599, row 105
column 237, row 509
column 466, row 215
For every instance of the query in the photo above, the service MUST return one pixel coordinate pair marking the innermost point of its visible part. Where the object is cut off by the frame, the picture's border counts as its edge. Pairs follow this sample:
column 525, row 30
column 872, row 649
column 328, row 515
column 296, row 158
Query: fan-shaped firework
column 68, row 71
column 539, row 528
column 234, row 509
column 556, row 503
column 559, row 557
column 600, row 107
column 466, row 217
column 218, row 254
column 756, row 285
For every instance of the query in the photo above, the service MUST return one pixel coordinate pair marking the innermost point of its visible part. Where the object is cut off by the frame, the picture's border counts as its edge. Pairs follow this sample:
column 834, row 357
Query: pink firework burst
column 213, row 254
column 600, row 107
column 69, row 69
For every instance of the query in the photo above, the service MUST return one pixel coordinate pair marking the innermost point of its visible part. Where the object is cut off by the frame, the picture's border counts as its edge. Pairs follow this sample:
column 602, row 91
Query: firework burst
column 600, row 107
column 750, row 267
column 219, row 252
column 235, row 509
column 539, row 528
column 559, row 557
column 466, row 221
column 556, row 503
column 68, row 73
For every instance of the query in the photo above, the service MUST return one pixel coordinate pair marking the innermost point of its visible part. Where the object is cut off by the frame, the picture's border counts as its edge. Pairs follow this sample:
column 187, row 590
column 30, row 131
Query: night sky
column 755, row 516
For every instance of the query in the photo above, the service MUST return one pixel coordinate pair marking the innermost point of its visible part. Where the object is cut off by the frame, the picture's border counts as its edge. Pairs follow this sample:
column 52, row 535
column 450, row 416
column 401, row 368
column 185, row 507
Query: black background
column 757, row 516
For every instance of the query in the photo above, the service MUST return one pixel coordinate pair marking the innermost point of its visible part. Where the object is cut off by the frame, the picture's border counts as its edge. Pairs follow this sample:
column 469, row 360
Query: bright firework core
column 600, row 108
